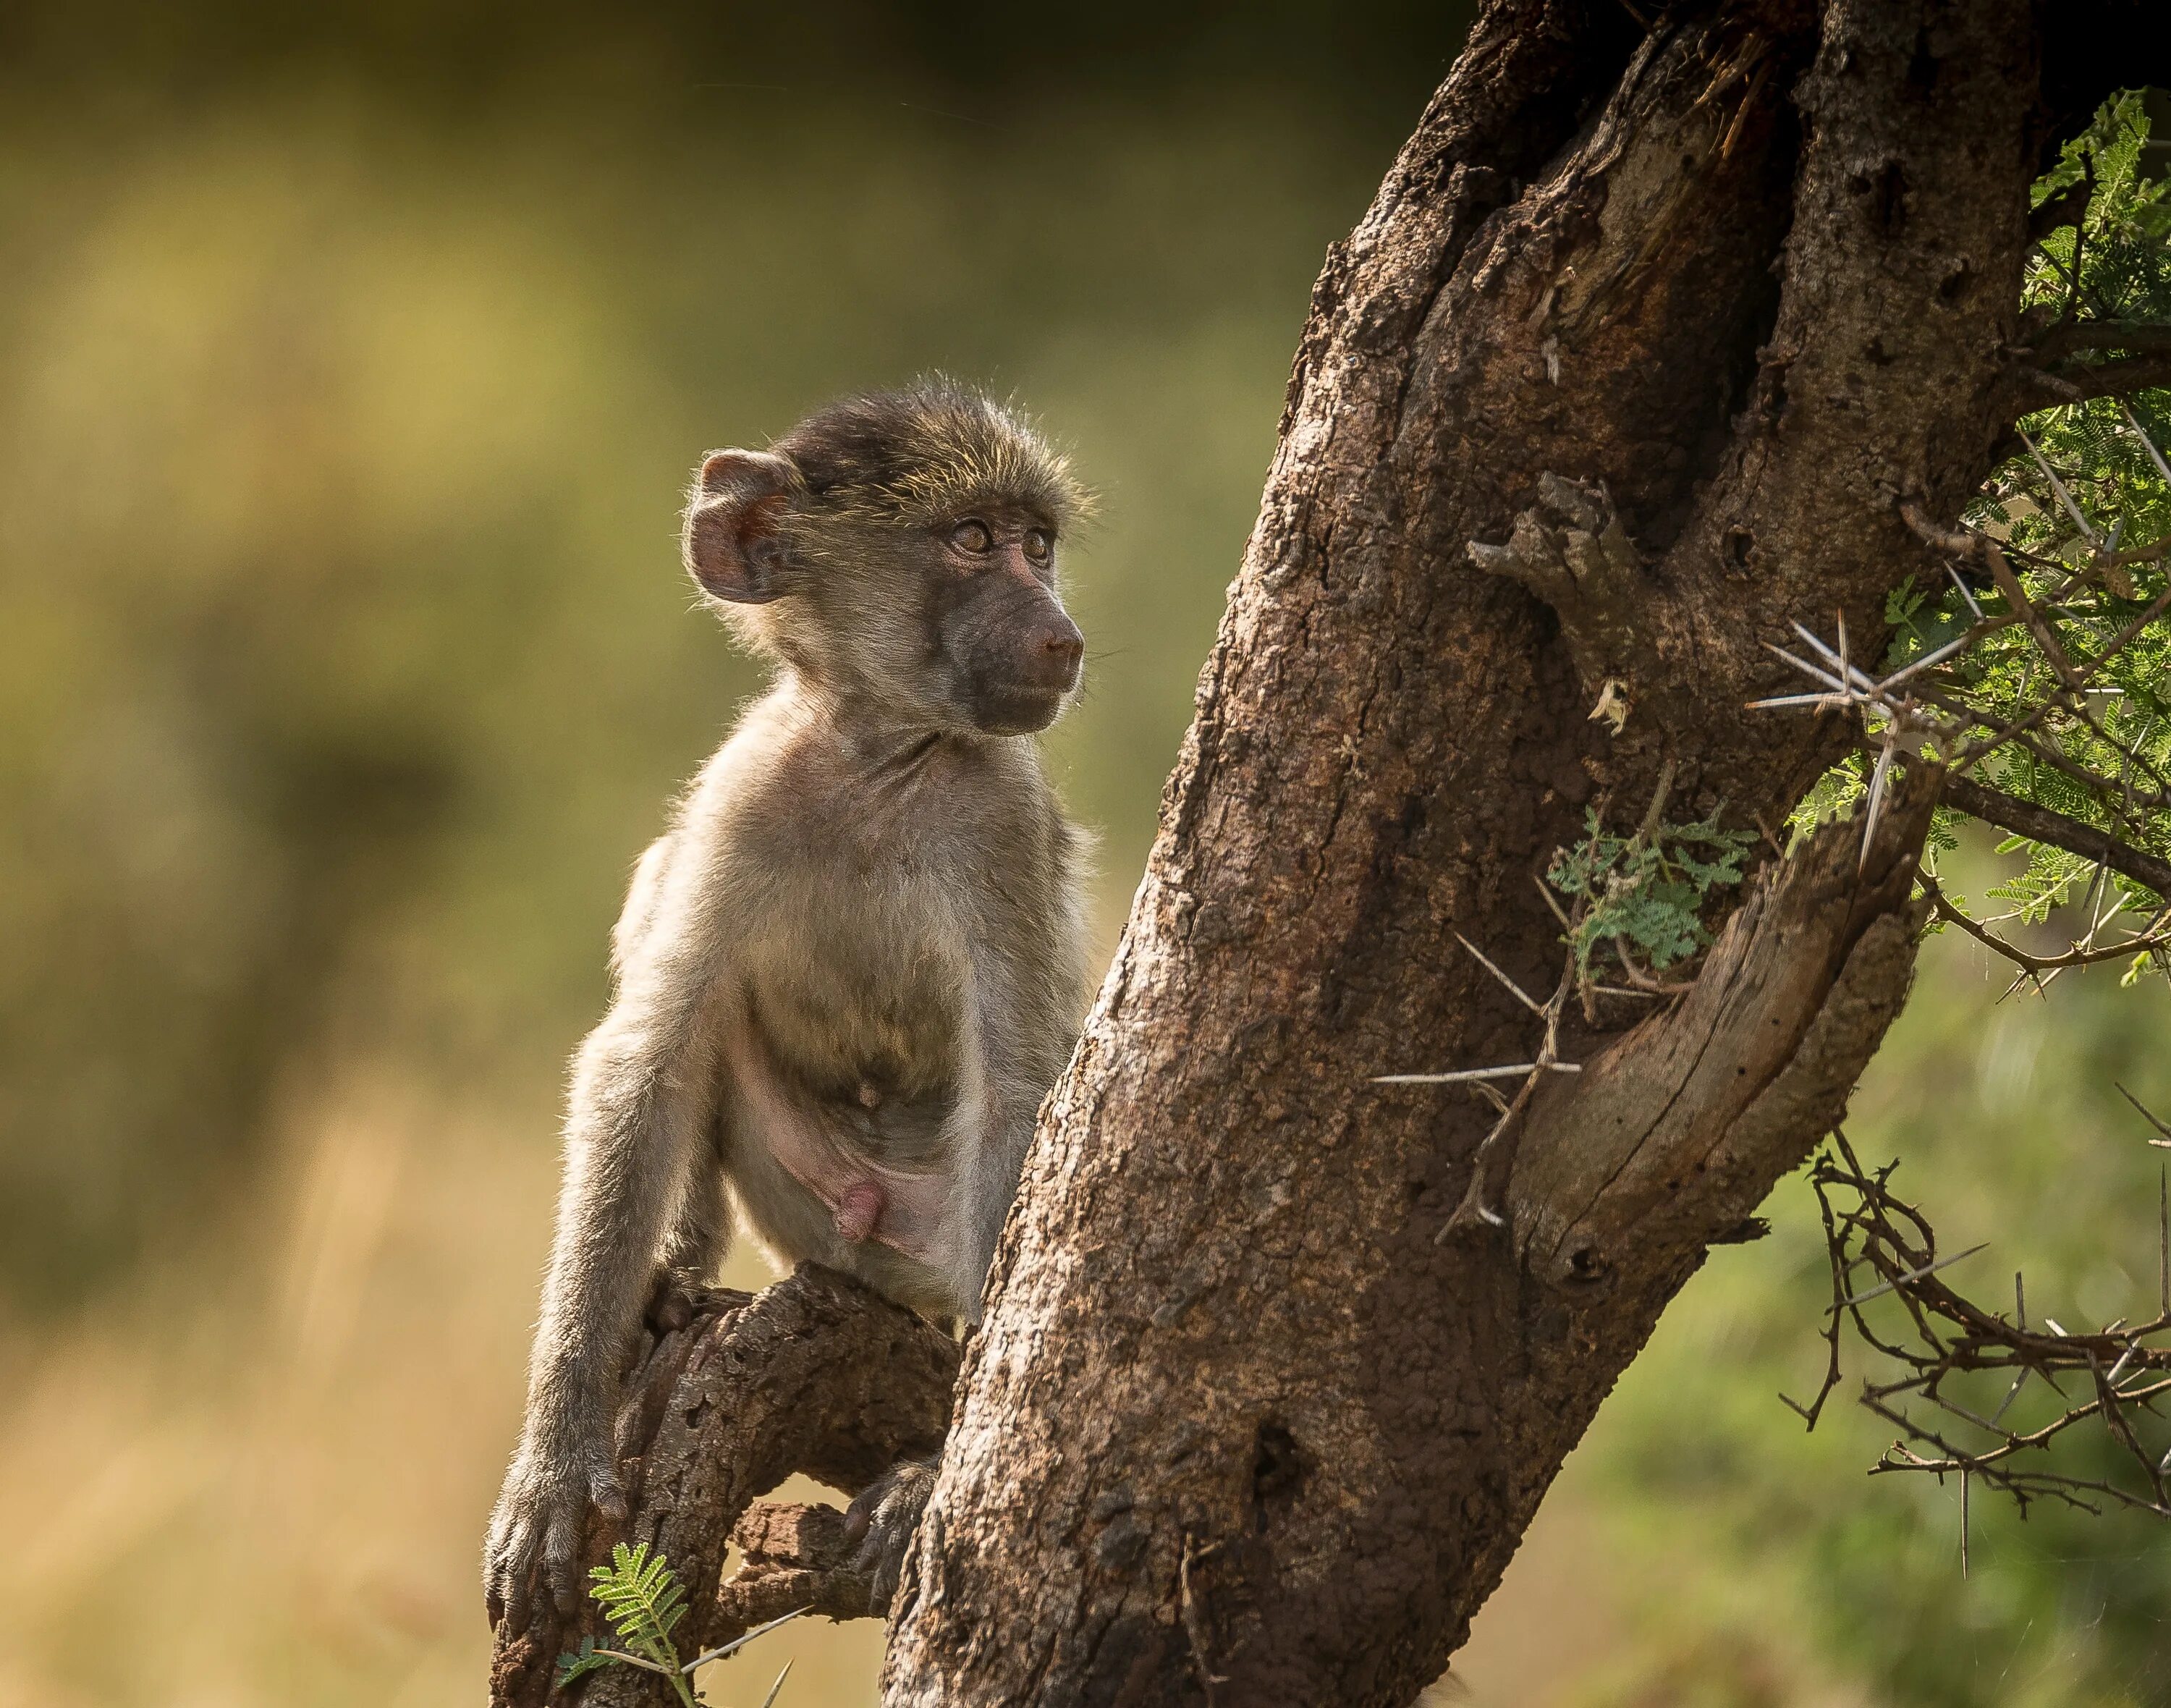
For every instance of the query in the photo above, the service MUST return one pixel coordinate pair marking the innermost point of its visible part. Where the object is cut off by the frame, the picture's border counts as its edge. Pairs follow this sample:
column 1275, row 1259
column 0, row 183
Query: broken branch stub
column 1570, row 549
column 1684, row 1125
column 796, row 1558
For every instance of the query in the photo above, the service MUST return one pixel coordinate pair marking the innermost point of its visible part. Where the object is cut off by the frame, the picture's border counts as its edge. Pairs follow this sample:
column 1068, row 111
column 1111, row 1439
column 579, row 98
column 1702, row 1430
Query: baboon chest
column 859, row 1010
column 891, row 913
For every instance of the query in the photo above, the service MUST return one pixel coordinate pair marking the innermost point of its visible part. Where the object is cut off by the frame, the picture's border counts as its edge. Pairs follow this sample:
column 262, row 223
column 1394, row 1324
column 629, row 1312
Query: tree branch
column 2071, row 335
column 2035, row 388
column 2042, row 824
column 1735, row 1084
column 815, row 1374
column 1953, row 1336
column 796, row 1557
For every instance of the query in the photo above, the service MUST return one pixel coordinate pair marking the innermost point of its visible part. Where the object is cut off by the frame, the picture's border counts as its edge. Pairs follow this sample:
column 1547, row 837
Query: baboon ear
column 732, row 545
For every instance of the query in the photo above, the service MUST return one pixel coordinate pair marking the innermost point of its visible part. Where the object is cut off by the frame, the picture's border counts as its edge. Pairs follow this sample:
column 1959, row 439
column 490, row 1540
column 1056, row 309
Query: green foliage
column 586, row 1660
column 643, row 1599
column 1646, row 892
column 1840, row 791
column 2123, row 271
column 1836, row 794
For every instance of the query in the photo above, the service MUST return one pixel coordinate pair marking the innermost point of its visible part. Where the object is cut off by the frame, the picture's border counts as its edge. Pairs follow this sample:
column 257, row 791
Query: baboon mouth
column 1016, row 709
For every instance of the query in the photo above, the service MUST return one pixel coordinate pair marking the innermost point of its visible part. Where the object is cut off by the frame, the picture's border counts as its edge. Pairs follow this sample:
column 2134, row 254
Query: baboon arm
column 992, row 1129
column 645, row 1090
column 641, row 1111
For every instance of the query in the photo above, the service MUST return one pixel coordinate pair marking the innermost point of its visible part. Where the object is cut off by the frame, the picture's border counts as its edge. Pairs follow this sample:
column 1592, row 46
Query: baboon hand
column 884, row 1520
column 541, row 1520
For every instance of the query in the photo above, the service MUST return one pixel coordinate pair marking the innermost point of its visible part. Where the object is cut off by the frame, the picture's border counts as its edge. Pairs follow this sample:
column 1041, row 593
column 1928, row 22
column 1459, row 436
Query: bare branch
column 1462, row 1076
column 2149, row 1116
column 2042, row 824
column 795, row 1560
column 2035, row 389
column 2068, row 336
column 1495, row 1152
column 2155, row 938
column 815, row 1374
column 2016, row 598
column 1959, row 542
column 1954, row 1338
column 1517, row 990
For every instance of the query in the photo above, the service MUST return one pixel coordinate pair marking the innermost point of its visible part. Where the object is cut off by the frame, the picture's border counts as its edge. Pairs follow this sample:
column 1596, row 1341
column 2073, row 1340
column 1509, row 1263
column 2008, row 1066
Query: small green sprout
column 643, row 1599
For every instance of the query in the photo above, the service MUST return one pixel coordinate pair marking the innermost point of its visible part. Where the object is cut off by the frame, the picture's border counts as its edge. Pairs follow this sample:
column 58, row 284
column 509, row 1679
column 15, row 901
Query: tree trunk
column 1278, row 1373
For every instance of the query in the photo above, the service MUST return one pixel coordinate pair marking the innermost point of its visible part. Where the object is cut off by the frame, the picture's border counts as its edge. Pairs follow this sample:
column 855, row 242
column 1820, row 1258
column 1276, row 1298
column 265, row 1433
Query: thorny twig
column 2155, row 1121
column 1495, row 1152
column 1495, row 1159
column 1920, row 709
column 2085, row 951
column 1880, row 1247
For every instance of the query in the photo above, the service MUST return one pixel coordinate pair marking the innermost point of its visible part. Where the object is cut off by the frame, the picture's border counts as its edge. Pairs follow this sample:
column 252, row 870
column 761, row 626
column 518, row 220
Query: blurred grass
column 344, row 666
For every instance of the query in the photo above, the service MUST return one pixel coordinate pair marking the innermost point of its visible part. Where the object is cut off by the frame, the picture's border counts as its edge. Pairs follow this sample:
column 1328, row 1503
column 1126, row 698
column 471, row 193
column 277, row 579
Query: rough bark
column 1254, row 1417
column 815, row 1374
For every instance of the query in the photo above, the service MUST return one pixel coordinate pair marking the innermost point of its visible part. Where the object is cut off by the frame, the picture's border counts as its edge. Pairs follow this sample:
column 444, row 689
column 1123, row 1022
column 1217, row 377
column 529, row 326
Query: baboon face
column 1010, row 651
column 900, row 549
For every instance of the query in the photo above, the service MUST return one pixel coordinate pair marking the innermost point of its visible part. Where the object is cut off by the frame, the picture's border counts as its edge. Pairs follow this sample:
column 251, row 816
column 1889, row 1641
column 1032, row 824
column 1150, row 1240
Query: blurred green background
column 351, row 362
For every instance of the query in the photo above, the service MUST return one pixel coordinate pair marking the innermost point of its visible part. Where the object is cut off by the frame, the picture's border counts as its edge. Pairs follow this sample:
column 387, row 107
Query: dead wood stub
column 1675, row 1131
column 817, row 1374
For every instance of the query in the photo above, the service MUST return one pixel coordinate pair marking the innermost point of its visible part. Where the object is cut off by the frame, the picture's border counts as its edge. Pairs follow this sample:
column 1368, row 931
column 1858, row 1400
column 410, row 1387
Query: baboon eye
column 973, row 536
column 1039, row 543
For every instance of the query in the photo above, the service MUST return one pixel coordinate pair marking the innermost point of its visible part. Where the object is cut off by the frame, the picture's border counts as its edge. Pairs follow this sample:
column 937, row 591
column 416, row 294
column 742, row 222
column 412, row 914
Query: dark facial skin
column 1011, row 650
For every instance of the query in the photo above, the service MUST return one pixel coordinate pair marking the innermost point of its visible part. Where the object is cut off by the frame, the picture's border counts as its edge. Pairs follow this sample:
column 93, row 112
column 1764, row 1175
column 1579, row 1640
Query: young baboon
column 850, row 971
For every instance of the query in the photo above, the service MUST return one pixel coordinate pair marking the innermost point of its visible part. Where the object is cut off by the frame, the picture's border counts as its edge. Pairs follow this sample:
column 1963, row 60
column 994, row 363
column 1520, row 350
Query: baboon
column 847, row 974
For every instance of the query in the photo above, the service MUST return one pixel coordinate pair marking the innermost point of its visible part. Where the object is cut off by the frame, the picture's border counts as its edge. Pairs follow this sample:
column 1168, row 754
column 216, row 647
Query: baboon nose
column 1061, row 648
